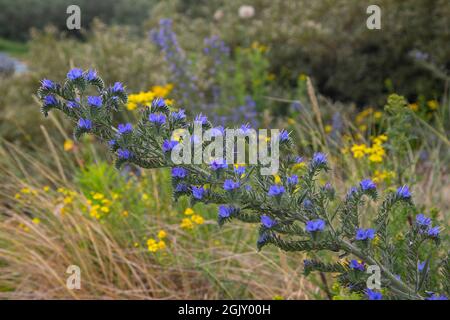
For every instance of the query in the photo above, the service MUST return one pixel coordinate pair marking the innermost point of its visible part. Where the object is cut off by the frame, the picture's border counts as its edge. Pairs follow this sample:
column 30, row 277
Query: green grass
column 14, row 48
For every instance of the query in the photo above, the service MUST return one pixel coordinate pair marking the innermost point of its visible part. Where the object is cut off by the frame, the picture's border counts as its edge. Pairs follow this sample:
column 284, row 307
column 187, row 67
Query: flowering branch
column 294, row 211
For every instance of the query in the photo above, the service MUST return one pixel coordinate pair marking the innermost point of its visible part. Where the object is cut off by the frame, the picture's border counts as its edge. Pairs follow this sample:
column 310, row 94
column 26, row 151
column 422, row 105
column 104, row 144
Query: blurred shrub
column 330, row 41
column 114, row 51
column 17, row 17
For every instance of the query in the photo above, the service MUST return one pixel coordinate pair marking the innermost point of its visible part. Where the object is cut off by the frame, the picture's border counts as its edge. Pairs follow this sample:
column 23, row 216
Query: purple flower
column 181, row 187
column 284, row 136
column 179, row 172
column 94, row 101
column 50, row 100
column 351, row 192
column 217, row 131
column 91, row 75
column 124, row 154
column 230, row 185
column 198, row 192
column 373, row 295
column 158, row 103
column 434, row 296
column 225, row 212
column 112, row 143
column 319, row 159
column 47, row 84
column 117, row 87
column 298, row 159
column 179, row 115
column 364, row 234
column 218, row 164
column 202, row 119
column 125, row 128
column 239, row 170
column 422, row 220
column 267, row 221
column 355, row 265
column 75, row 74
column 315, row 225
column 403, row 192
column 85, row 124
column 72, row 104
column 168, row 145
column 292, row 180
column 245, row 129
column 157, row 118
column 367, row 185
column 433, row 231
column 421, row 265
column 276, row 190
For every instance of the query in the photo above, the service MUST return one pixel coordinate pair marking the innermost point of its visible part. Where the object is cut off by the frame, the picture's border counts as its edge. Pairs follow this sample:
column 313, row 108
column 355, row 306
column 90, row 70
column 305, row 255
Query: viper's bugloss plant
column 295, row 213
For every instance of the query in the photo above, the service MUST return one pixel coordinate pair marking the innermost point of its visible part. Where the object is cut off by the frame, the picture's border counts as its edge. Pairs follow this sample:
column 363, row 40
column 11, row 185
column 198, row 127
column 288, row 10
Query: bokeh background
column 312, row 67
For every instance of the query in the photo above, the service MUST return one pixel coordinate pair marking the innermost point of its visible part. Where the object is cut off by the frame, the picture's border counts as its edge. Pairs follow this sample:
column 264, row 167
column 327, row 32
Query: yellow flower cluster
column 375, row 152
column 189, row 223
column 368, row 113
column 383, row 175
column 69, row 145
column 25, row 191
column 99, row 205
column 146, row 98
column 155, row 245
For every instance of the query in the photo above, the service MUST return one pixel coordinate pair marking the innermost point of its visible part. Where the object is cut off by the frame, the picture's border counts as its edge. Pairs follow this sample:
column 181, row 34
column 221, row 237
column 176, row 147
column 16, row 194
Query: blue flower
column 179, row 172
column 72, row 104
column 351, row 192
column 124, row 154
column 315, row 225
column 124, row 128
column 117, row 87
column 373, row 295
column 298, row 159
column 75, row 74
column 367, row 185
column 225, row 211
column 421, row 265
column 230, row 185
column 319, row 159
column 433, row 232
column 198, row 192
column 217, row 131
column 293, row 180
column 201, row 119
column 168, row 145
column 50, row 100
column 284, row 136
column 434, row 296
column 267, row 221
column 94, row 101
column 178, row 115
column 47, row 84
column 422, row 220
column 239, row 170
column 355, row 265
column 158, row 103
column 91, row 75
column 218, row 164
column 181, row 187
column 112, row 143
column 307, row 204
column 157, row 118
column 85, row 124
column 276, row 190
column 245, row 129
column 364, row 234
column 262, row 240
column 403, row 192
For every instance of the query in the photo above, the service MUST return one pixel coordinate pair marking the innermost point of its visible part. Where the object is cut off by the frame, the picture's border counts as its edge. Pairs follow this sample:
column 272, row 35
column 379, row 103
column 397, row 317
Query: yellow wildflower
column 161, row 245
column 36, row 220
column 377, row 115
column 413, row 107
column 186, row 224
column 125, row 213
column 358, row 150
column 46, row 188
column 25, row 190
column 328, row 128
column 98, row 196
column 433, row 104
column 104, row 209
column 276, row 179
column 68, row 145
column 197, row 219
column 162, row 234
column 152, row 245
column 188, row 211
